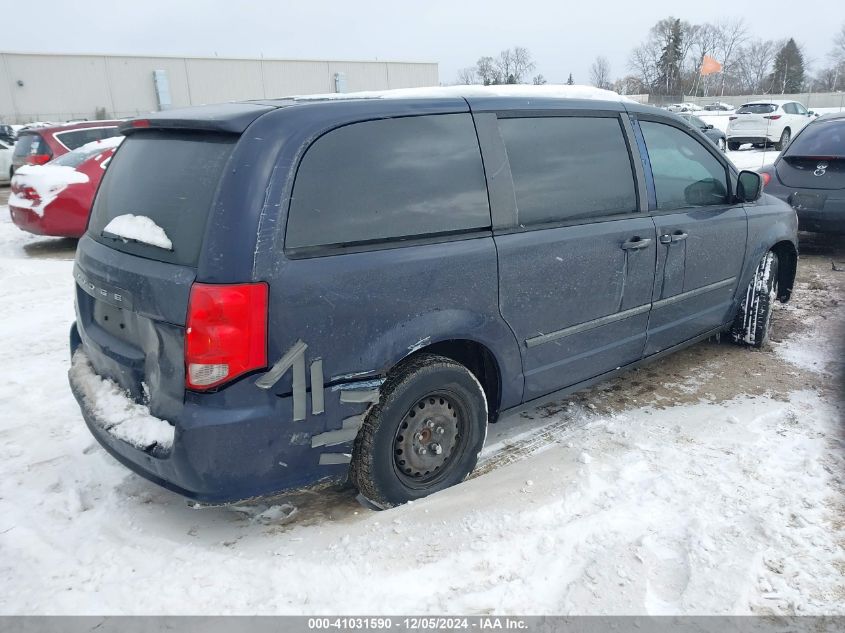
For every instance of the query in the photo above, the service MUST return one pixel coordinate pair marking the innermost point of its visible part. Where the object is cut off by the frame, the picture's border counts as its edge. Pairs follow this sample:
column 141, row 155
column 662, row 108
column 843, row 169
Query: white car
column 763, row 122
column 684, row 107
column 6, row 161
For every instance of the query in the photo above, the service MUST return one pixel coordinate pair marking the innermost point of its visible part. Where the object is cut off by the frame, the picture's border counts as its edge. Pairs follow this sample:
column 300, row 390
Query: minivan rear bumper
column 221, row 452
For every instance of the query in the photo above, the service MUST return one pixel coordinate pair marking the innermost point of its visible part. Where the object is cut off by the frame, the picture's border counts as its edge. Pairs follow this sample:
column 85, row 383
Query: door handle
column 636, row 243
column 675, row 237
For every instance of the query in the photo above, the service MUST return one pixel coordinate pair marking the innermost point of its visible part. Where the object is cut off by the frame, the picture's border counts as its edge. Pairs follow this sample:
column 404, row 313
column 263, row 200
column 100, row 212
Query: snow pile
column 119, row 415
column 511, row 90
column 48, row 181
column 139, row 228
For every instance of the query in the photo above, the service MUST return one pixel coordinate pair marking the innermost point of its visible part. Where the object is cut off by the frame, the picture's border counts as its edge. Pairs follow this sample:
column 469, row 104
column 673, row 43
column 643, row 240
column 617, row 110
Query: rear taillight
column 766, row 178
column 773, row 117
column 27, row 193
column 37, row 159
column 226, row 333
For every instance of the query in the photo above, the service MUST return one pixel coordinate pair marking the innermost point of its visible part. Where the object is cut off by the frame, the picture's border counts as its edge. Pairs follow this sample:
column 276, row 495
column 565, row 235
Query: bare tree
column 522, row 63
column 732, row 34
column 838, row 52
column 600, row 72
column 754, row 64
column 504, row 67
column 538, row 80
column 645, row 61
column 467, row 76
column 487, row 71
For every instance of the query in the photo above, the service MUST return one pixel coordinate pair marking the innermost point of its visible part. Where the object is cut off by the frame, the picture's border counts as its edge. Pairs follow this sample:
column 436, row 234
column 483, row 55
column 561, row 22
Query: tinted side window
column 685, row 173
column 566, row 168
column 790, row 108
column 389, row 179
column 78, row 138
column 799, row 109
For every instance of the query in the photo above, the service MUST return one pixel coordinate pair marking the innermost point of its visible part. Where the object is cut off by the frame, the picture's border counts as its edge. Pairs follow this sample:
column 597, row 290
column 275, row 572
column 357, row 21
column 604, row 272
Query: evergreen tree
column 669, row 66
column 788, row 74
column 569, row 81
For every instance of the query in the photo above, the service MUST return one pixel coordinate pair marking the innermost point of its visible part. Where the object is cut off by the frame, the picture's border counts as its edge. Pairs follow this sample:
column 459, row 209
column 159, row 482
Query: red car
column 40, row 145
column 55, row 199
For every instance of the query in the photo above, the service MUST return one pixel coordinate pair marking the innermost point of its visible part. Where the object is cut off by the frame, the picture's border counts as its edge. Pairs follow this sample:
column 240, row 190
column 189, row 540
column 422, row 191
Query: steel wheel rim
column 429, row 439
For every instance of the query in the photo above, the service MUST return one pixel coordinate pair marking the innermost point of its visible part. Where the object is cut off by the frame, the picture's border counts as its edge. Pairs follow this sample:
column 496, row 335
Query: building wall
column 62, row 87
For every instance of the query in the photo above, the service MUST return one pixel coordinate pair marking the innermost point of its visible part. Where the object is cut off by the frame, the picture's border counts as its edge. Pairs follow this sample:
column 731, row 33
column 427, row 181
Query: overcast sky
column 562, row 36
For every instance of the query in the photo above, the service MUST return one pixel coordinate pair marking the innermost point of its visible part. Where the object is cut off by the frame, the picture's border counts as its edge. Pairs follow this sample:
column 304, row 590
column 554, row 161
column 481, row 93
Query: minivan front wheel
column 753, row 319
column 424, row 434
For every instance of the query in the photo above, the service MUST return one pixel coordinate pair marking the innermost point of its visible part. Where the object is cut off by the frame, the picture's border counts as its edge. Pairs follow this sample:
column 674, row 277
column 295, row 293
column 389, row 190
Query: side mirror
column 709, row 126
column 749, row 186
column 810, row 113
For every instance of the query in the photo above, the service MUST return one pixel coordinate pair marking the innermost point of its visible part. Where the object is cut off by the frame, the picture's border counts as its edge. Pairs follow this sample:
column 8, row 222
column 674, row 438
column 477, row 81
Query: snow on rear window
column 138, row 228
column 115, row 412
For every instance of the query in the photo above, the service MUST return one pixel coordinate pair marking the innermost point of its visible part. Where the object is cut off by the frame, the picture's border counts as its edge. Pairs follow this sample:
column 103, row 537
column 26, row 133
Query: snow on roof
column 547, row 91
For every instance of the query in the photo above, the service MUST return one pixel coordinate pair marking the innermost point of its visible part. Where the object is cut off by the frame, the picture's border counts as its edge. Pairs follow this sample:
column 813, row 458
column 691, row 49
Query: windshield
column 825, row 138
column 30, row 145
column 757, row 108
column 169, row 178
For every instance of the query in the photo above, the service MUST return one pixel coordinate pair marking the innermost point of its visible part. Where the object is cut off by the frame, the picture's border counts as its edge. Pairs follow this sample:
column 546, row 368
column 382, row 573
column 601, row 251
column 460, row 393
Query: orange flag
column 710, row 66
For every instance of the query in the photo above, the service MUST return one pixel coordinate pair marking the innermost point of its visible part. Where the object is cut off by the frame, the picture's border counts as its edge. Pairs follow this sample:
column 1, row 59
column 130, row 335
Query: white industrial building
column 52, row 87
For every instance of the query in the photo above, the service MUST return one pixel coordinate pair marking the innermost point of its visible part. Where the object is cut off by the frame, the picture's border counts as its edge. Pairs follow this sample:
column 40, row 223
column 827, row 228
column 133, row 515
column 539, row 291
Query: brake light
column 38, row 159
column 27, row 193
column 773, row 117
column 766, row 178
column 141, row 123
column 226, row 333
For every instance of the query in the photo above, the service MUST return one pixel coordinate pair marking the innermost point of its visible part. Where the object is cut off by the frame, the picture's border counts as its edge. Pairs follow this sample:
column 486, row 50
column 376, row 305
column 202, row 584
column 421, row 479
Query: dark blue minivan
column 282, row 293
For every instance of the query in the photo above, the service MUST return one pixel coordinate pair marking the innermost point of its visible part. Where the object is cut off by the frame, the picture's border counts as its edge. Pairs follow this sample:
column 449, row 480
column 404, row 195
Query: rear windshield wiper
column 120, row 238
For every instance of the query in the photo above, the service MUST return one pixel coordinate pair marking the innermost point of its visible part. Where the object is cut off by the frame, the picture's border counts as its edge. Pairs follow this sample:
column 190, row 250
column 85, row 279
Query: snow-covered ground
column 710, row 482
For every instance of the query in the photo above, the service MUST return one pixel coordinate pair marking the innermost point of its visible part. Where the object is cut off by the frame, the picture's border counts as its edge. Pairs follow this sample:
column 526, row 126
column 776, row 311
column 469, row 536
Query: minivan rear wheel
column 752, row 323
column 424, row 434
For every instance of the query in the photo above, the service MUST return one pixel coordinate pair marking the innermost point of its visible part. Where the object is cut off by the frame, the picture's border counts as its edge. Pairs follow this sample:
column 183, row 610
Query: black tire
column 450, row 403
column 733, row 146
column 785, row 136
column 752, row 323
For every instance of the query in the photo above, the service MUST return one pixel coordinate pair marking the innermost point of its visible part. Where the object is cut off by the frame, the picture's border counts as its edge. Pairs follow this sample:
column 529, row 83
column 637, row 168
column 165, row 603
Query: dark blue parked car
column 810, row 175
column 315, row 291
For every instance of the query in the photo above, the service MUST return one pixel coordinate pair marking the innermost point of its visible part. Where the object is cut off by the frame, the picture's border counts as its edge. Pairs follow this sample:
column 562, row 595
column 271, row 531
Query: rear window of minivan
column 169, row 177
column 389, row 179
